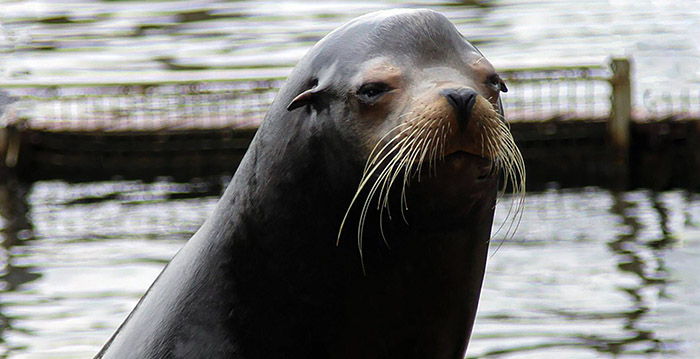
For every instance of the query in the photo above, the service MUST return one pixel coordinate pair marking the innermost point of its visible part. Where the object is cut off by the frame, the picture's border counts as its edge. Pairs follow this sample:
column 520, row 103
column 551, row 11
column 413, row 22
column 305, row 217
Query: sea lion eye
column 497, row 83
column 372, row 91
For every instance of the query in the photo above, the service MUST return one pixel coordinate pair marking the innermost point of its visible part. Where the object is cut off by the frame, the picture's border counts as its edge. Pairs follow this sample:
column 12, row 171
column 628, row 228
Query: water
column 592, row 274
column 589, row 274
column 90, row 40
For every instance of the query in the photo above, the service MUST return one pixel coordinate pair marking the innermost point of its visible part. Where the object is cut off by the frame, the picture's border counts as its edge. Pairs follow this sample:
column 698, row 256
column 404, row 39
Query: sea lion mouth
column 484, row 167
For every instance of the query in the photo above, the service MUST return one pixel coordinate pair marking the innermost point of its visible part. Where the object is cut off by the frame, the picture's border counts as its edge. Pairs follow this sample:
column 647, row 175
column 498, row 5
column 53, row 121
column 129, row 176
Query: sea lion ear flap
column 303, row 99
column 504, row 88
column 306, row 97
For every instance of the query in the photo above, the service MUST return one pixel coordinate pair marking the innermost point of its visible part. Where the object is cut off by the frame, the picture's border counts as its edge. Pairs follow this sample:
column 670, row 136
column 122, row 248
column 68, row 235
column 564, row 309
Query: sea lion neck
column 282, row 178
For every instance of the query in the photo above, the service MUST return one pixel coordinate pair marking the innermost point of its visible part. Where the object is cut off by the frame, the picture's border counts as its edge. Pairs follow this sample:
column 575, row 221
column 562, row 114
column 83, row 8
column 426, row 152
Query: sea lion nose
column 463, row 100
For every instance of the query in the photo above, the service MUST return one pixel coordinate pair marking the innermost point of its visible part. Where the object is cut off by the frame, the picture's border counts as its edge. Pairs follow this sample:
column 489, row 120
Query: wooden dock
column 576, row 126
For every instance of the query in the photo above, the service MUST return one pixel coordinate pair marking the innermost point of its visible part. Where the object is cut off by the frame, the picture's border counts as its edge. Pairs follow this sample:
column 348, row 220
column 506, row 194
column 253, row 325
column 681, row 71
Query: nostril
column 463, row 100
column 452, row 97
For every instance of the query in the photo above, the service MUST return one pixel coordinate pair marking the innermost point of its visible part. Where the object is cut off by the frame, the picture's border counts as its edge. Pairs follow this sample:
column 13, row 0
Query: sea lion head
column 416, row 110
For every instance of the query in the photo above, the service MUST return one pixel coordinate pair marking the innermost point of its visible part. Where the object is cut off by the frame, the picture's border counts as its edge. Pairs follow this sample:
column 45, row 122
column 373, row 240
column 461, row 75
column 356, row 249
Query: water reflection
column 583, row 278
column 14, row 211
column 129, row 39
column 79, row 256
column 643, row 259
column 15, row 229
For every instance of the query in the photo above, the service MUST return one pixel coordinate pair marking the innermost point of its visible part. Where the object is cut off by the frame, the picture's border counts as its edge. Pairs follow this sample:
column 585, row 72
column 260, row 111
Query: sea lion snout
column 463, row 100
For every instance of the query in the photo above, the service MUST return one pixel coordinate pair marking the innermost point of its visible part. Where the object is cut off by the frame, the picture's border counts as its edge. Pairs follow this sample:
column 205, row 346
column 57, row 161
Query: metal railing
column 536, row 94
column 144, row 107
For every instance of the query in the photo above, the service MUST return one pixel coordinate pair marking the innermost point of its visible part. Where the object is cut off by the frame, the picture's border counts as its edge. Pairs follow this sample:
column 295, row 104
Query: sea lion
column 357, row 224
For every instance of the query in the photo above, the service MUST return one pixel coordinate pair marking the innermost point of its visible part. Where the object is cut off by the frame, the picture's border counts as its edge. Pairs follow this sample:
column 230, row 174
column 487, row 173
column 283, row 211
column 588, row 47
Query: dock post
column 9, row 136
column 618, row 126
column 9, row 147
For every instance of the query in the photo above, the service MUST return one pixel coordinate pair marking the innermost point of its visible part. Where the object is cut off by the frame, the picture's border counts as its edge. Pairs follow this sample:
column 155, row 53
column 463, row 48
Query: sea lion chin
column 357, row 224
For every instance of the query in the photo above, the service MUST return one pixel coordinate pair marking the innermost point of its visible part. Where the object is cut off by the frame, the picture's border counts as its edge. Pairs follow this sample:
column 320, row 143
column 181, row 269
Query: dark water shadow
column 16, row 232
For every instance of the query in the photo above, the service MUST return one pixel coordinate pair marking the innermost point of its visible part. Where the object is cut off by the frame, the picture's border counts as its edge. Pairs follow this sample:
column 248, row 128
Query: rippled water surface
column 589, row 274
column 90, row 40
